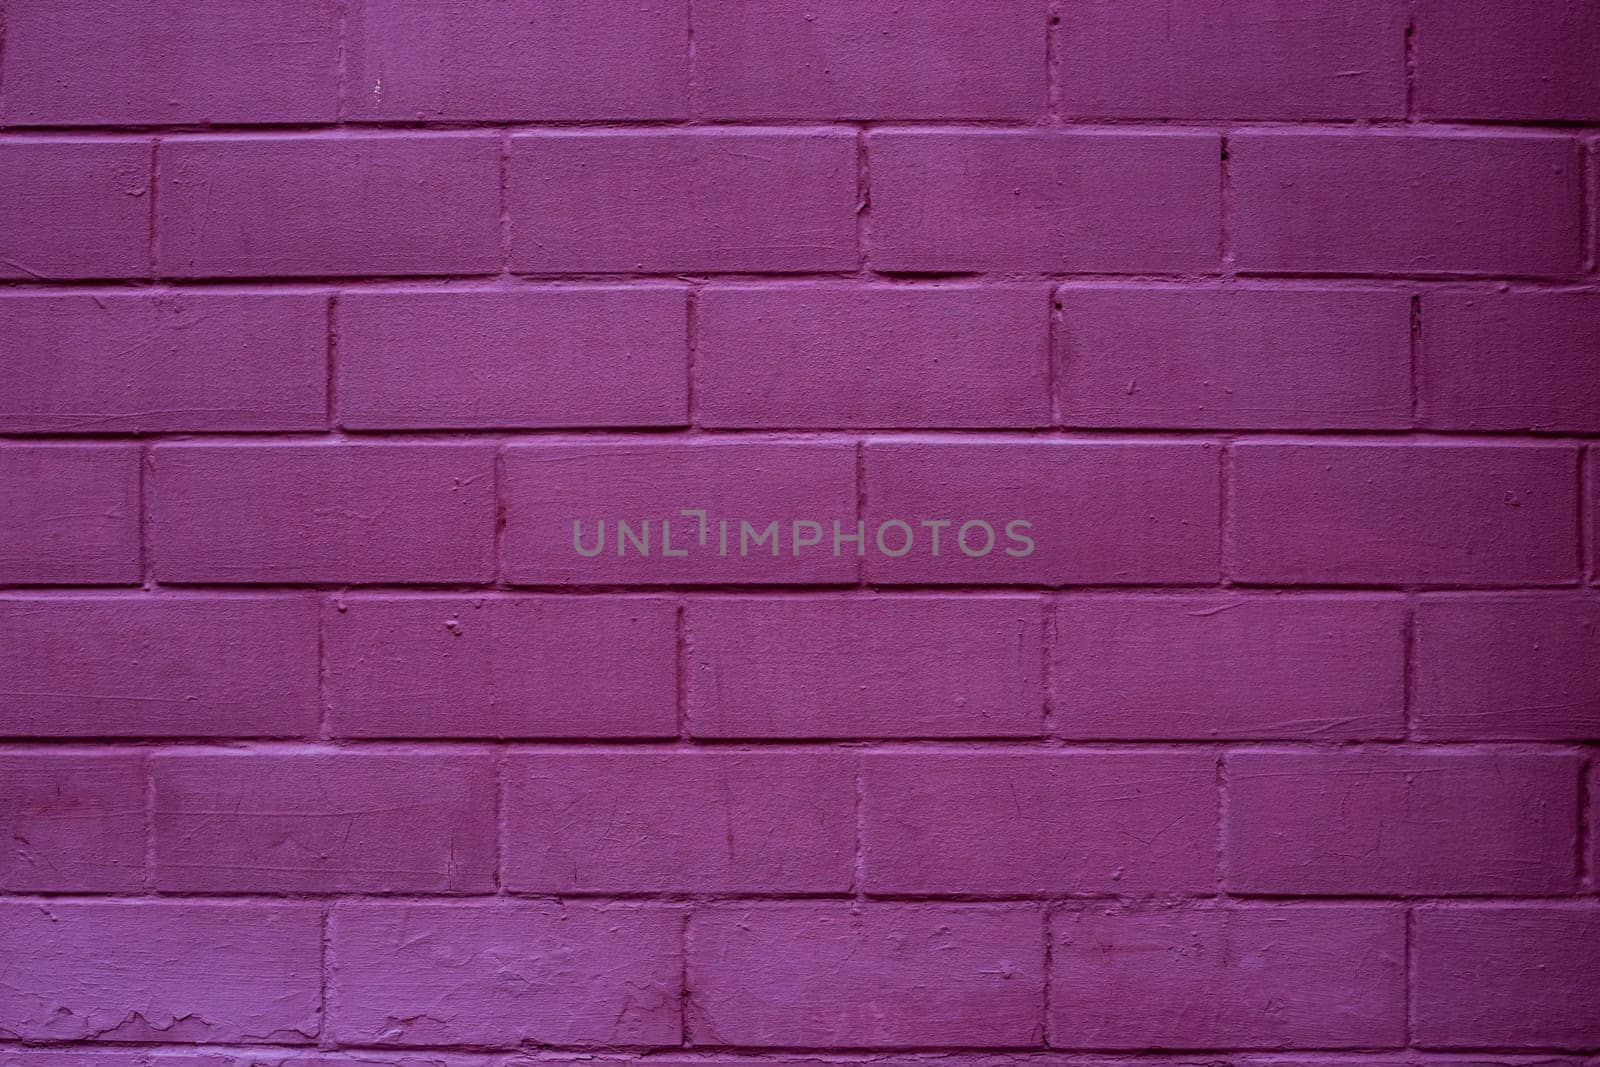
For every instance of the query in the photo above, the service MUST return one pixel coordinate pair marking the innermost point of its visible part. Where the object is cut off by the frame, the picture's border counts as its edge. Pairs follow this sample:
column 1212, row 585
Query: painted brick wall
column 320, row 319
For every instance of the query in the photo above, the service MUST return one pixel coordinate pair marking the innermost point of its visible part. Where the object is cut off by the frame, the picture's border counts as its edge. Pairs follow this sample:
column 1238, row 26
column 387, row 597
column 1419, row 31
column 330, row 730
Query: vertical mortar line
column 331, row 355
column 1222, row 822
column 152, row 233
column 861, row 510
column 324, row 727
column 147, row 568
column 858, row 871
column 1586, row 202
column 1052, row 79
column 500, row 513
column 1049, row 962
column 681, row 668
column 1225, row 206
column 691, row 348
column 1047, row 645
column 325, row 969
column 1588, row 566
column 148, row 782
column 500, row 751
column 685, row 1038
column 1054, row 352
column 341, row 76
column 1414, row 355
column 1586, row 875
column 1408, row 970
column 691, row 71
column 1409, row 57
column 3, row 13
column 863, row 203
column 1408, row 667
column 505, row 202
column 1224, row 518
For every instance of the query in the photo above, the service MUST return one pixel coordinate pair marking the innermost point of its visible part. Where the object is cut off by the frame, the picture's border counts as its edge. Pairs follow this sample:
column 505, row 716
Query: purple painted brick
column 323, row 822
column 1213, row 667
column 663, row 201
column 854, row 355
column 579, row 59
column 866, row 976
column 73, row 821
column 1477, row 59
column 1039, row 823
column 1379, row 202
column 71, row 514
column 145, row 62
column 1014, row 200
column 74, row 209
column 692, row 822
column 329, row 205
column 187, row 361
column 1265, row 59
column 127, row 971
column 1233, row 358
column 501, row 667
column 585, row 356
column 869, row 59
column 323, row 513
column 1323, row 976
column 864, row 667
column 167, row 666
column 406, row 973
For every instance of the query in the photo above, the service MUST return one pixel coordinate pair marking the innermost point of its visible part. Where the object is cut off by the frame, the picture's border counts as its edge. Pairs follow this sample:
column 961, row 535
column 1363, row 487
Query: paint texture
column 333, row 333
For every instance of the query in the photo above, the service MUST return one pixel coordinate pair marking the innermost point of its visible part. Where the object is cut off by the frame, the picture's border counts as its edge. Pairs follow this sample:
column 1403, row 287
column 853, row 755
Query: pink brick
column 329, row 205
column 324, row 822
column 1319, row 976
column 74, row 209
column 853, row 355
column 1510, row 361
column 866, row 976
column 188, row 361
column 1394, row 514
column 549, row 488
column 501, row 667
column 1039, row 823
column 167, row 666
column 323, row 513
column 690, row 822
column 878, row 59
column 668, row 201
column 1264, row 59
column 1382, row 202
column 1507, row 975
column 582, row 59
column 72, row 821
column 1013, row 200
column 505, row 973
column 1508, row 668
column 1101, row 513
column 1234, row 358
column 144, row 62
column 1227, row 667
column 1482, row 60
column 864, row 667
column 1427, row 822
column 584, row 356
column 127, row 971
column 71, row 515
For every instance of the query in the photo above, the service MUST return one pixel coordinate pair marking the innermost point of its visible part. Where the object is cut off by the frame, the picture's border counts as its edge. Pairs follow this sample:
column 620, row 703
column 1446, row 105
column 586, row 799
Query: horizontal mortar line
column 1058, row 744
column 23, row 590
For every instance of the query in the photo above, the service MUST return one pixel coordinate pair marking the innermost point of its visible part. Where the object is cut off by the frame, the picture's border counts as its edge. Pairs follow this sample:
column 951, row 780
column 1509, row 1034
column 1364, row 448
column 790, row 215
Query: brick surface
column 1481, row 60
column 71, row 514
column 74, row 209
column 75, row 821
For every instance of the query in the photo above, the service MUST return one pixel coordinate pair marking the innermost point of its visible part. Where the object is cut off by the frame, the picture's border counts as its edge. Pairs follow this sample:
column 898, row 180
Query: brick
column 670, row 201
column 167, row 666
column 1414, row 823
column 1482, row 60
column 1263, row 59
column 323, row 513
column 74, row 209
column 852, row 667
column 583, row 59
column 1507, row 975
column 1388, row 202
column 1510, row 361
column 584, row 356
column 867, row 976
column 1227, row 667
column 324, row 822
column 147, row 62
column 74, row 821
column 1396, row 514
column 1508, row 668
column 501, row 667
column 126, row 971
column 558, row 496
column 505, row 973
column 1318, row 976
column 765, row 59
column 1014, row 200
column 1101, row 513
column 690, row 822
column 71, row 514
column 1234, row 358
column 854, row 355
column 329, row 205
column 187, row 361
column 1039, row 823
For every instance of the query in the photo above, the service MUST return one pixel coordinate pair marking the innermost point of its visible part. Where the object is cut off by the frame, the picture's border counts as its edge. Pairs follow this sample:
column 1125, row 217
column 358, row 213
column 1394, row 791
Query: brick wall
column 320, row 320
